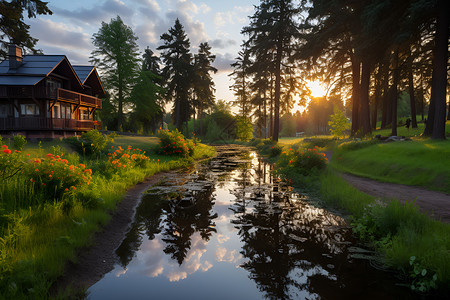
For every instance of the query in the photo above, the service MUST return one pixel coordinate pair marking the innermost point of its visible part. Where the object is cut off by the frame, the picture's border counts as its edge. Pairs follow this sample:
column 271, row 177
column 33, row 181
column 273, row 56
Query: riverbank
column 40, row 237
column 411, row 243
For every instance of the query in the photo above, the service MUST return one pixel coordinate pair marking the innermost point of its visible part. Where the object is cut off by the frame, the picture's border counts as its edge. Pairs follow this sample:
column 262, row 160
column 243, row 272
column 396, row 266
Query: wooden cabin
column 44, row 96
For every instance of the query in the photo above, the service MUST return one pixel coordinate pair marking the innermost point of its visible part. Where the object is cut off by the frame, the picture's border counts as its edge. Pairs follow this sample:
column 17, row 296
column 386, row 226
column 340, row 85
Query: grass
column 38, row 237
column 399, row 232
column 421, row 162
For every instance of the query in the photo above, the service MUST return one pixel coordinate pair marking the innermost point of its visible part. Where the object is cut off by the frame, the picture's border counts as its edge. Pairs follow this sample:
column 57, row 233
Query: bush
column 19, row 141
column 174, row 143
column 122, row 159
column 275, row 150
column 305, row 162
column 11, row 163
column 56, row 177
column 91, row 143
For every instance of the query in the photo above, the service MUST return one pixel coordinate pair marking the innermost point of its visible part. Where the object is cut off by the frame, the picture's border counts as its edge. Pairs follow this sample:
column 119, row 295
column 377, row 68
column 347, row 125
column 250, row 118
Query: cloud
column 100, row 12
column 237, row 16
column 223, row 62
column 221, row 44
column 61, row 39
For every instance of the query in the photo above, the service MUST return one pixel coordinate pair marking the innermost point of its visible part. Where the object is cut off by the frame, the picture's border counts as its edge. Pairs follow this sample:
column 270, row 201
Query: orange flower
column 50, row 176
column 37, row 170
column 66, row 189
column 31, row 180
column 82, row 166
column 49, row 155
column 37, row 160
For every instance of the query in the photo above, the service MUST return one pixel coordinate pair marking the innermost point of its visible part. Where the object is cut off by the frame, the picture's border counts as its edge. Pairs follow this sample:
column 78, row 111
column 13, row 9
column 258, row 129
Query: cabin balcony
column 39, row 123
column 40, row 92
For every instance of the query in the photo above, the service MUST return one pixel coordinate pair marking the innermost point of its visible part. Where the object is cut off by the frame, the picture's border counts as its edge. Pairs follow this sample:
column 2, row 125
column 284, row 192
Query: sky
column 219, row 22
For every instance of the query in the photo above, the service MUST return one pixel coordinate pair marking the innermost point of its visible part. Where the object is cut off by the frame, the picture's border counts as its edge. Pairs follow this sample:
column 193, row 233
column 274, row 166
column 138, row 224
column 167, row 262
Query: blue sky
column 69, row 30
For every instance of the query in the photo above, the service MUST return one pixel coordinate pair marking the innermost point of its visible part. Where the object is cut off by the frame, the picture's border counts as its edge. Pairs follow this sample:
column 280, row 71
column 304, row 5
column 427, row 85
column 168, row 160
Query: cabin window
column 84, row 114
column 56, row 112
column 29, row 109
column 4, row 110
column 68, row 112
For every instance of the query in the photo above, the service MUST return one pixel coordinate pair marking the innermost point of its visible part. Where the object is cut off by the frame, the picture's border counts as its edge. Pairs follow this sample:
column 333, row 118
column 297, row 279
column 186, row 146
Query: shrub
column 275, row 150
column 174, row 143
column 305, row 161
column 11, row 163
column 122, row 159
column 56, row 177
column 19, row 141
column 91, row 143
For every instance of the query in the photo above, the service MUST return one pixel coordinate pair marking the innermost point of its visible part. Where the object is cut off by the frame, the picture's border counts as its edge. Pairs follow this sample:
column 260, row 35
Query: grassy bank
column 41, row 232
column 410, row 242
column 421, row 162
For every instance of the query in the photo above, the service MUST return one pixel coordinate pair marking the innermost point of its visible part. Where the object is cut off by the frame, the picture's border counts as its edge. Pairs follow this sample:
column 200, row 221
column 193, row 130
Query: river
column 227, row 229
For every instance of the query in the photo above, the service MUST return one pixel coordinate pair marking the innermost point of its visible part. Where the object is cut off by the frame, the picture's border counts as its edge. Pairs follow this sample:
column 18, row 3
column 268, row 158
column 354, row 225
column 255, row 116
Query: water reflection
column 241, row 234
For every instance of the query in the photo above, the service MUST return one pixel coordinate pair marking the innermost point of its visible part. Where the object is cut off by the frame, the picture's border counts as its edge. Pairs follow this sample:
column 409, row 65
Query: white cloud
column 223, row 62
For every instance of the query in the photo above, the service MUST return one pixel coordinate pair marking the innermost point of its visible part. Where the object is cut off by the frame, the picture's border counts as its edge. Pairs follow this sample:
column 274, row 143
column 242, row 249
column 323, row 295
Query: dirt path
column 434, row 204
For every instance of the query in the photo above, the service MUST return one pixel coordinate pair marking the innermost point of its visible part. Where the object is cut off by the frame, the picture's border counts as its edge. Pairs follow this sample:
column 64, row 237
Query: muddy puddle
column 226, row 229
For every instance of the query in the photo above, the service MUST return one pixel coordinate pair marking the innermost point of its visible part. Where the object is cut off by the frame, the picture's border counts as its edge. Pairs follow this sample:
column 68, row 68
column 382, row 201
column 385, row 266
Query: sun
column 317, row 90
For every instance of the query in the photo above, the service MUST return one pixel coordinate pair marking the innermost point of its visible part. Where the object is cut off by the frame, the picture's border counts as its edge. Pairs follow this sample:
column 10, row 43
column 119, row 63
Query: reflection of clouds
column 154, row 256
column 154, row 262
column 223, row 255
column 192, row 263
column 121, row 272
column 222, row 238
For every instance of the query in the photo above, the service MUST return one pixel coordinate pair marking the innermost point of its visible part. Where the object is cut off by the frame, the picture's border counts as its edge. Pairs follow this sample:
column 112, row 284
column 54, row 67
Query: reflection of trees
column 147, row 219
column 182, row 223
column 276, row 231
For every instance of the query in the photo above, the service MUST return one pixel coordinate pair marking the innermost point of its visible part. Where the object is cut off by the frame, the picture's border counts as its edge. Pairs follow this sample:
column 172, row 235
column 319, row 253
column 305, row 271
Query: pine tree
column 116, row 56
column 178, row 72
column 274, row 29
column 203, row 83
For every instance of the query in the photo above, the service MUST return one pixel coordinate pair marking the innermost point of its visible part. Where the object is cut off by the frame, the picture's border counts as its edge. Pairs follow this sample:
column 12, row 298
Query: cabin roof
column 34, row 68
column 83, row 72
column 36, row 65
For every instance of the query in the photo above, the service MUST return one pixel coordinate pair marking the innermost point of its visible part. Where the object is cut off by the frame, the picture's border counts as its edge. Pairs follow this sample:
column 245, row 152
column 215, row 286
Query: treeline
column 367, row 52
column 140, row 88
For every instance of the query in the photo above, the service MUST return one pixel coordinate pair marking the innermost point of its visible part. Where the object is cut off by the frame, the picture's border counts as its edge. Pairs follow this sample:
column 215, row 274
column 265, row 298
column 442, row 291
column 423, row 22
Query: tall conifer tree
column 178, row 72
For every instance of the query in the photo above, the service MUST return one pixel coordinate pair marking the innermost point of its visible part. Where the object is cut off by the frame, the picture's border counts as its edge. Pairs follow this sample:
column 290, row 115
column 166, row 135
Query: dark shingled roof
column 83, row 72
column 37, row 65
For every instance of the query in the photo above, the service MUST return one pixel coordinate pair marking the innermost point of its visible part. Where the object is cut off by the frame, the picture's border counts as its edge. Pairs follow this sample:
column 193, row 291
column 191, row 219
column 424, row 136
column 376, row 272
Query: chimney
column 15, row 56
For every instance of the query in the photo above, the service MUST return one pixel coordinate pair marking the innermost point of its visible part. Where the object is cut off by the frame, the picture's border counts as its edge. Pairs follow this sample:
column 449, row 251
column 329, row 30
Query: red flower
column 7, row 151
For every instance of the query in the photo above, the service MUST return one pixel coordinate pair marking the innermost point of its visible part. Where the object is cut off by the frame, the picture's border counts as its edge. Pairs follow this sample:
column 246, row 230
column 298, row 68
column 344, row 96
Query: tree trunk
column 395, row 94
column 385, row 110
column 355, row 94
column 440, row 71
column 276, row 117
column 377, row 98
column 412, row 99
column 120, row 108
column 365, row 84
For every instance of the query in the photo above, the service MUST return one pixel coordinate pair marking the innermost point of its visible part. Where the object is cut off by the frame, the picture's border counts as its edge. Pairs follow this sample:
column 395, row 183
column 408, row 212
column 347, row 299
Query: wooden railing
column 41, row 92
column 37, row 123
column 78, row 98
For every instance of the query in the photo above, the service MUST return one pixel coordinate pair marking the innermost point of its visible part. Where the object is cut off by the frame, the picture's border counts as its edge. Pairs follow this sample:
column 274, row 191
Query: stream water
column 226, row 229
